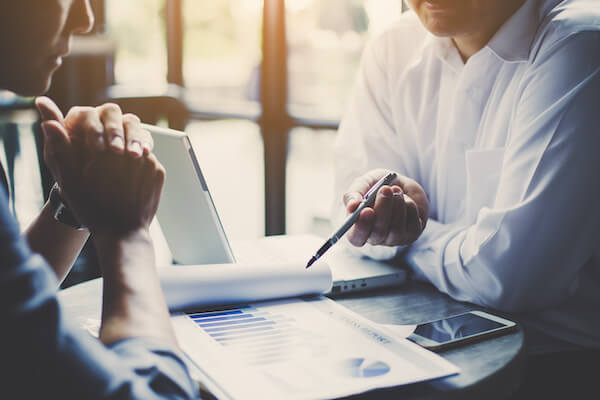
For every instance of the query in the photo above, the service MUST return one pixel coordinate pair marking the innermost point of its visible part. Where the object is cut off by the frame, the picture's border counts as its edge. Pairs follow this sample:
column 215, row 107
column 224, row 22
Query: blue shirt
column 42, row 355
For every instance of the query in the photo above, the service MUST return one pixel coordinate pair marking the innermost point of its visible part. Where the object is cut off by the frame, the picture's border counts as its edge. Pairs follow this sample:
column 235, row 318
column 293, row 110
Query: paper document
column 299, row 349
column 187, row 286
column 398, row 331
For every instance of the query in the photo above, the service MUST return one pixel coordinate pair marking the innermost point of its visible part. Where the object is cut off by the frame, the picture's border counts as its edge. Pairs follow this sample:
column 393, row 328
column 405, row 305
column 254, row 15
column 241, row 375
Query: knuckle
column 130, row 118
column 76, row 110
column 392, row 239
column 111, row 107
column 374, row 241
column 94, row 128
column 346, row 197
column 146, row 136
column 349, row 198
column 356, row 241
column 378, row 236
column 78, row 114
column 87, row 112
column 161, row 173
column 113, row 129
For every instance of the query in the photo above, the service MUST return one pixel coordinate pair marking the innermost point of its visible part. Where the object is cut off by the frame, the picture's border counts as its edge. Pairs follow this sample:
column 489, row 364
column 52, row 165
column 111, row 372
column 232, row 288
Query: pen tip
column 311, row 262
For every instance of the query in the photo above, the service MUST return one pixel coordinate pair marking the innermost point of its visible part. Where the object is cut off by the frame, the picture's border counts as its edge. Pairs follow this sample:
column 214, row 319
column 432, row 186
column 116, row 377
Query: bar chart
column 299, row 348
column 260, row 336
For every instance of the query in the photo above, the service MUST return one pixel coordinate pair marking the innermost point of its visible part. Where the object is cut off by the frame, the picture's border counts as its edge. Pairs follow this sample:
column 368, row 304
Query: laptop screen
column 187, row 215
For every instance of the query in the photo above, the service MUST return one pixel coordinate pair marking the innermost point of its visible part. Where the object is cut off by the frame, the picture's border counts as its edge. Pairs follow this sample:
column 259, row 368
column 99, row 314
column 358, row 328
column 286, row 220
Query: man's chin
column 33, row 87
column 442, row 27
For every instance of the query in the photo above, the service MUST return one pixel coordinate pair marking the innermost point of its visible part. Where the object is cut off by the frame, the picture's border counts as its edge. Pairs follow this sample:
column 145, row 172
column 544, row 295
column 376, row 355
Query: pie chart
column 364, row 368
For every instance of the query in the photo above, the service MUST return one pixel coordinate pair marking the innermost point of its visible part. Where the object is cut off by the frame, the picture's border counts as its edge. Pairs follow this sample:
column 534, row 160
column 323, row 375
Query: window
column 138, row 28
column 325, row 42
column 220, row 62
column 221, row 51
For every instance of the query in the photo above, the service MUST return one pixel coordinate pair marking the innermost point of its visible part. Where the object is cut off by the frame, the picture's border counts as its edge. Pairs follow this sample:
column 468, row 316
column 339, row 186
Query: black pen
column 367, row 201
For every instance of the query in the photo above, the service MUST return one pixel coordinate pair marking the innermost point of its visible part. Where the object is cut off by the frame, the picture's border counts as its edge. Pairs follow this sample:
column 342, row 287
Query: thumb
column 351, row 200
column 49, row 110
column 57, row 144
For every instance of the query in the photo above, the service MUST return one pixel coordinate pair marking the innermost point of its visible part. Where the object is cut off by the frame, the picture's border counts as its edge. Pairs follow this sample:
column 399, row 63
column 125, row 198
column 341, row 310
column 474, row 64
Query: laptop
column 194, row 233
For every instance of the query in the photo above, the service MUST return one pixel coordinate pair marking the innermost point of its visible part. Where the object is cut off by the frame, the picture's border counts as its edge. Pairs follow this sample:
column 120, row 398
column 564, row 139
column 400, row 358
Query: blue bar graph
column 229, row 335
column 262, row 337
column 238, row 327
column 231, row 322
column 210, row 315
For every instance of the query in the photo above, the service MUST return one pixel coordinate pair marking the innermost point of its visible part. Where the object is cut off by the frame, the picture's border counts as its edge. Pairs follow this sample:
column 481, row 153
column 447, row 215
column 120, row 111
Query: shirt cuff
column 160, row 362
column 438, row 245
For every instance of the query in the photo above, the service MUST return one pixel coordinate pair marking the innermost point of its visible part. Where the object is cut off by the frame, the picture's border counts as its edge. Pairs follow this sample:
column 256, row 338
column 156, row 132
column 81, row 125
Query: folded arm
column 38, row 341
column 94, row 129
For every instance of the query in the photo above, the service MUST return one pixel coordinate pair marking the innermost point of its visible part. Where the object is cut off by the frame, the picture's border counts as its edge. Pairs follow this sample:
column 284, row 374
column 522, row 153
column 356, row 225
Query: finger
column 398, row 223
column 360, row 186
column 159, row 170
column 57, row 146
column 352, row 200
column 112, row 121
column 84, row 126
column 147, row 143
column 413, row 223
column 155, row 185
column 413, row 190
column 134, row 135
column 49, row 111
column 360, row 231
column 383, row 208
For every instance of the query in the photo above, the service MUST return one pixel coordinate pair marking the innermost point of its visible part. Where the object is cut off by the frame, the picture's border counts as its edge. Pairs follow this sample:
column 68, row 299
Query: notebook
column 195, row 235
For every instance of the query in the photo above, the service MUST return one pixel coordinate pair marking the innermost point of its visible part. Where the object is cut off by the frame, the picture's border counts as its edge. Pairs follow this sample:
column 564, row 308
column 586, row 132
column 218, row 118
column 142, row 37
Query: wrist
column 120, row 252
column 139, row 236
column 61, row 212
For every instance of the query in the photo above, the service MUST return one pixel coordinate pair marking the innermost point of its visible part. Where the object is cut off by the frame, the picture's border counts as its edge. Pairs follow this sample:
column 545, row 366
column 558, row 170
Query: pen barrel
column 352, row 218
column 367, row 202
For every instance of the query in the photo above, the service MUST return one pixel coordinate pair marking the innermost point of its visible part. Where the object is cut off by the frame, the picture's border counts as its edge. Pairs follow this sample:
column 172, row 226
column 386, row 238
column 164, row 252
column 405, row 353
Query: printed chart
column 299, row 349
column 261, row 337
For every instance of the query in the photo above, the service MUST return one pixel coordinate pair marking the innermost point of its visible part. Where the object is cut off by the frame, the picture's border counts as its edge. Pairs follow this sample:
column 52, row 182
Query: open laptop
column 194, row 233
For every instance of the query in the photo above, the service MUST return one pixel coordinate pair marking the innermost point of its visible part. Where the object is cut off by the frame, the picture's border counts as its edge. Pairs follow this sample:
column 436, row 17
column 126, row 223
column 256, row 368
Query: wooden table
column 490, row 369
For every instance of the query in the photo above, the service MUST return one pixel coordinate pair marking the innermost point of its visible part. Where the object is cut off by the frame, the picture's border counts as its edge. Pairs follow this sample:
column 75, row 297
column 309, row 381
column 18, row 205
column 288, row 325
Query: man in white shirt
column 490, row 111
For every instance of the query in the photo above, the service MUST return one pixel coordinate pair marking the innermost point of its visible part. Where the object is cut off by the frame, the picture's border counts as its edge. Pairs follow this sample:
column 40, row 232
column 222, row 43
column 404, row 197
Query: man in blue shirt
column 110, row 183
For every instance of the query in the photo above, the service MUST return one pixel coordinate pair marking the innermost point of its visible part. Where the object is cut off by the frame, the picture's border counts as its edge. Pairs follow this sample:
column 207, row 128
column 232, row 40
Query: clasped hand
column 103, row 164
column 398, row 216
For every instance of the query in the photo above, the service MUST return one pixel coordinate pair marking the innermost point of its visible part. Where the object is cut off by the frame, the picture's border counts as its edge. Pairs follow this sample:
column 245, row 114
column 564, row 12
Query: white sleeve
column 526, row 251
column 367, row 138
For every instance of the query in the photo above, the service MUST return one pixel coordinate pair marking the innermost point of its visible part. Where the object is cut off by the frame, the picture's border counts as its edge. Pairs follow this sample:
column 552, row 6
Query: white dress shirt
column 507, row 148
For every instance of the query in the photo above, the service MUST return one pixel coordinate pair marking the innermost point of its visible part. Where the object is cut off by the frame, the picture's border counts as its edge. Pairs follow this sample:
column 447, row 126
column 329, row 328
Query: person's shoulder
column 564, row 19
column 397, row 43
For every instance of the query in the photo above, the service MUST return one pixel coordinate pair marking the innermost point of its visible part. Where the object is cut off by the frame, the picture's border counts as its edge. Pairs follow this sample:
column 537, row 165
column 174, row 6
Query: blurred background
column 259, row 86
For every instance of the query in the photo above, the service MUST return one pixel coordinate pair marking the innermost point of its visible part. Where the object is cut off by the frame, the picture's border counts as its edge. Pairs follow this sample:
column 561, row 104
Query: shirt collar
column 445, row 50
column 513, row 40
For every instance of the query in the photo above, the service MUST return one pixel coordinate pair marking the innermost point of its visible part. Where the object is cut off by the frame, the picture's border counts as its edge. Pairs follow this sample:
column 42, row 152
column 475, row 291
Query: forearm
column 133, row 303
column 59, row 244
column 515, row 261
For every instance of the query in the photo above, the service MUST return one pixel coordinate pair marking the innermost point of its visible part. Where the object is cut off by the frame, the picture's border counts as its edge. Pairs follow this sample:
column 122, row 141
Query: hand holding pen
column 385, row 209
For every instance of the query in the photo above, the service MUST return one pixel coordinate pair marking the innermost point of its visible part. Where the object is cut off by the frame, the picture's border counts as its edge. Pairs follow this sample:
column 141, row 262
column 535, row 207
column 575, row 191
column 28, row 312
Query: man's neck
column 470, row 43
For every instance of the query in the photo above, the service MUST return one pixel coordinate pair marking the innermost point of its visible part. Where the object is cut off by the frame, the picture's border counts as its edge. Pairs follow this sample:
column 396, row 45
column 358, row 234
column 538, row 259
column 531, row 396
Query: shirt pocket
column 484, row 168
